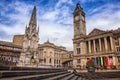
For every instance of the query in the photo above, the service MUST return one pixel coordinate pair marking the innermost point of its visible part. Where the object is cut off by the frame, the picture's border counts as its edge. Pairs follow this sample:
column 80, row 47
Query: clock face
column 76, row 18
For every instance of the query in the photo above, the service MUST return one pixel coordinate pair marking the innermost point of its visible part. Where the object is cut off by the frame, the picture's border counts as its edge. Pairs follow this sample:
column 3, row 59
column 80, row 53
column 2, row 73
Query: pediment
column 96, row 32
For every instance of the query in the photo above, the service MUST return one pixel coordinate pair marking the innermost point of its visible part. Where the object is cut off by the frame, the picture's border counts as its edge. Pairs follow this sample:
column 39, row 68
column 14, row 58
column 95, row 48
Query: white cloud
column 60, row 2
column 57, row 33
column 49, row 22
column 86, row 1
column 17, row 20
column 56, row 23
column 50, row 15
column 104, row 17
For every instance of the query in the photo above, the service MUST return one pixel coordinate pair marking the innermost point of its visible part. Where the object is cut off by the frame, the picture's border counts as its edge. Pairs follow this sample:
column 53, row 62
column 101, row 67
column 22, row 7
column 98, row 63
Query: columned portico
column 100, row 44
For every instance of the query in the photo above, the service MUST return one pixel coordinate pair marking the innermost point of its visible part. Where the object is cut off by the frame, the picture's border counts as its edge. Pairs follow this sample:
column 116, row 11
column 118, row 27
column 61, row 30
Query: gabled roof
column 96, row 32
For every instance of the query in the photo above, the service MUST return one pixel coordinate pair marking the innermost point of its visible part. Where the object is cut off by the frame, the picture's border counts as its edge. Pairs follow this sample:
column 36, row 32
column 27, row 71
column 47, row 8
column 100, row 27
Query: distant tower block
column 30, row 57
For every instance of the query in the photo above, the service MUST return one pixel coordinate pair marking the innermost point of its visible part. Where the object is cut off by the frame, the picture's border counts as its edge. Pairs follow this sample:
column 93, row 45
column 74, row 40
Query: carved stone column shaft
column 94, row 45
column 89, row 45
column 111, row 43
column 106, row 45
column 100, row 44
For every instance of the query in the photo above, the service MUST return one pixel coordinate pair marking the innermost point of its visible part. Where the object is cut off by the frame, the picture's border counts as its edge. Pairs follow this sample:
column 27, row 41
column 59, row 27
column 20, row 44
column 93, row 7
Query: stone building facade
column 52, row 55
column 18, row 40
column 9, row 53
column 67, row 59
column 103, row 46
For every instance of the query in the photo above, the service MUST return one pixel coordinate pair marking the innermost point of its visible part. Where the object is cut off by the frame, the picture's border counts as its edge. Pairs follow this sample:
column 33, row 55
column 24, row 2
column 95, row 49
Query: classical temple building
column 103, row 46
column 30, row 57
column 9, row 53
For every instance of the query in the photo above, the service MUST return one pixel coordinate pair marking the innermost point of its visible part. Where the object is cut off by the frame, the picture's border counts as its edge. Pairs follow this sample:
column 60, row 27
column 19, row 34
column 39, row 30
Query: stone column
column 100, row 44
column 114, row 60
column 94, row 45
column 111, row 43
column 106, row 45
column 89, row 45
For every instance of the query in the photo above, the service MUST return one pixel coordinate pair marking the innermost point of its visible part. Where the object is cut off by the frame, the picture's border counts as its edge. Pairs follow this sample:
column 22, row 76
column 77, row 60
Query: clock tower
column 79, row 37
column 79, row 22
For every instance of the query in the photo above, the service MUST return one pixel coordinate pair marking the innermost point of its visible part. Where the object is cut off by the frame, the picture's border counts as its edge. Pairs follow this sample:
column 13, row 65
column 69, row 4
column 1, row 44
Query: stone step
column 35, row 77
column 23, row 73
column 79, row 78
column 3, row 68
column 68, row 77
column 58, row 77
column 32, row 71
column 74, row 77
column 93, row 76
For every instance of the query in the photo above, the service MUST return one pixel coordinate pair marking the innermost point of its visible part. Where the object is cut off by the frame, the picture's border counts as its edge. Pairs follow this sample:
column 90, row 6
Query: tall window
column 78, row 51
column 78, row 61
column 119, row 59
column 117, row 43
column 118, row 49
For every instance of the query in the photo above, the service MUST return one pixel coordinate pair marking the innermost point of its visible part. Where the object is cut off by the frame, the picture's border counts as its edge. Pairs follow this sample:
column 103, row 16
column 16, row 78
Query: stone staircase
column 27, row 73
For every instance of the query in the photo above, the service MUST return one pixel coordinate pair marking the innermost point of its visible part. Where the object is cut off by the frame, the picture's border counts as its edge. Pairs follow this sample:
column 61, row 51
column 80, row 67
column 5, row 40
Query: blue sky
column 55, row 18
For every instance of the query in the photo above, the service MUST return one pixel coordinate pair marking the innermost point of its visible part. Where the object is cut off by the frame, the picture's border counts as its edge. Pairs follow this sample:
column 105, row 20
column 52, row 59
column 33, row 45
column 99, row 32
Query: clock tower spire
column 79, row 22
